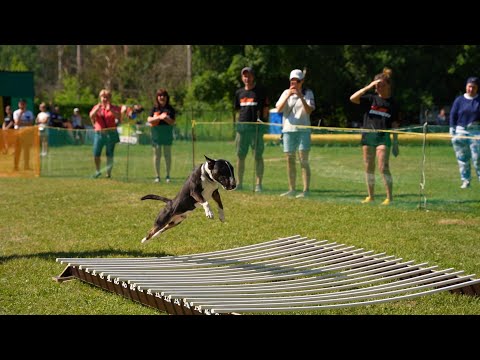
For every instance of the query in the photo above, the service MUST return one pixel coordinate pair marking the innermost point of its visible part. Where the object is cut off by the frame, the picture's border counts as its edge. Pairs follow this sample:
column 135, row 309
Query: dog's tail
column 155, row 197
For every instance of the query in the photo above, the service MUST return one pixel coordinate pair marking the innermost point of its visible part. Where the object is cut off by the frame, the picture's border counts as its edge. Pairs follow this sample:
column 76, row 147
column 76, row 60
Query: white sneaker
column 290, row 193
column 258, row 188
column 465, row 184
column 303, row 194
column 157, row 180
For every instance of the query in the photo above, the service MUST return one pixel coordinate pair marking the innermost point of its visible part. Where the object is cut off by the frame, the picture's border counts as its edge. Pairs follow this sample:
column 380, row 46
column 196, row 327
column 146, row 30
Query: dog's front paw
column 209, row 214
column 208, row 211
column 221, row 215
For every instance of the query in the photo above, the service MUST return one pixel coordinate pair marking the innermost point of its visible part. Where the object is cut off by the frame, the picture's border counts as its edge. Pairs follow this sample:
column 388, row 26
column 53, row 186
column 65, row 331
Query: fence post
column 423, row 198
column 193, row 144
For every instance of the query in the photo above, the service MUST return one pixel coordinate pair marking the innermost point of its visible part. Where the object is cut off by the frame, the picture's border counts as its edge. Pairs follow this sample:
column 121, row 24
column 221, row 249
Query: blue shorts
column 296, row 140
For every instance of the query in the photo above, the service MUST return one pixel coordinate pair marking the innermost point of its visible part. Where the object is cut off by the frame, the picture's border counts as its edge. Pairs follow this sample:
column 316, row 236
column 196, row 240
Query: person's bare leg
column 292, row 171
column 369, row 165
column 306, row 173
column 109, row 165
column 259, row 169
column 167, row 152
column 98, row 162
column 240, row 170
column 157, row 153
column 383, row 155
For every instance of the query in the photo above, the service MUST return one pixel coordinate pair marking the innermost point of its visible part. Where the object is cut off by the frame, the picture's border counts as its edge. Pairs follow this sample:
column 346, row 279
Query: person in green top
column 162, row 119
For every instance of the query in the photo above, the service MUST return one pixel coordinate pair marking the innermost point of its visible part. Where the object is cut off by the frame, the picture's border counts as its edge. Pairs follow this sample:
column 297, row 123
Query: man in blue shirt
column 465, row 129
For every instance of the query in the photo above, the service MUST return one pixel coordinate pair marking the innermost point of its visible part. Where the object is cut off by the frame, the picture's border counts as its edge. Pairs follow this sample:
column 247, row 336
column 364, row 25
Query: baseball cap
column 76, row 110
column 249, row 69
column 473, row 80
column 297, row 74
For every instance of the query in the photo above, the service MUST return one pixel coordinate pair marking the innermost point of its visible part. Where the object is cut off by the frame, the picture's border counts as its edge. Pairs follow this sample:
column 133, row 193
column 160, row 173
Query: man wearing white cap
column 297, row 104
column 77, row 124
column 252, row 104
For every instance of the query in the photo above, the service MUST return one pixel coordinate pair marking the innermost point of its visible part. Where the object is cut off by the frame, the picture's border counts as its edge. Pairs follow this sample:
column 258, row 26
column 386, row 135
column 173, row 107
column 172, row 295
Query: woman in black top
column 162, row 119
column 381, row 113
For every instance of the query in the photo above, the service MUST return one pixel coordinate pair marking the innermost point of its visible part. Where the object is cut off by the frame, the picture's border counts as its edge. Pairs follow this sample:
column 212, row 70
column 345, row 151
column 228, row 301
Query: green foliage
column 19, row 58
column 425, row 76
column 17, row 65
column 74, row 93
column 207, row 92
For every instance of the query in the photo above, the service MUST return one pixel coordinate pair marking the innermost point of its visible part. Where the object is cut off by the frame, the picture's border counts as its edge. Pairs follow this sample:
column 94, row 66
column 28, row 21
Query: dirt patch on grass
column 458, row 222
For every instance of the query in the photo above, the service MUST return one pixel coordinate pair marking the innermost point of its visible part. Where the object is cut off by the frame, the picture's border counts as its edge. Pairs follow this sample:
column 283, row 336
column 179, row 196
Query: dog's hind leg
column 157, row 230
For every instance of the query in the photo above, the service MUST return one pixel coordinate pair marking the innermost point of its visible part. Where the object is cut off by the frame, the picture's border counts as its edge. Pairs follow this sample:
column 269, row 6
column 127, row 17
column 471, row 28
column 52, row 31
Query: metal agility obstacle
column 283, row 275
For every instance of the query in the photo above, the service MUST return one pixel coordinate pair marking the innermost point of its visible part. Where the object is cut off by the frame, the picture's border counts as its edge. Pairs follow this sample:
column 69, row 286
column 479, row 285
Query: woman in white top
column 42, row 121
column 296, row 104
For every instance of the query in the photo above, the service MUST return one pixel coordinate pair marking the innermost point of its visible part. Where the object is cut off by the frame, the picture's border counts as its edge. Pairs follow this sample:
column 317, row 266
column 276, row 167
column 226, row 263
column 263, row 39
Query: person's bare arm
column 355, row 98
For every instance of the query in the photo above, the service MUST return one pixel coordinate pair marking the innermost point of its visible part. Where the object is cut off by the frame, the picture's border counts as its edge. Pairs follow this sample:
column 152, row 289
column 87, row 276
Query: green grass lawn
column 65, row 213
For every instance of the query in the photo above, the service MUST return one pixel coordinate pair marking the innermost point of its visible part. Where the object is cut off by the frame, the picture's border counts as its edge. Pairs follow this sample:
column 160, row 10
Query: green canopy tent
column 15, row 85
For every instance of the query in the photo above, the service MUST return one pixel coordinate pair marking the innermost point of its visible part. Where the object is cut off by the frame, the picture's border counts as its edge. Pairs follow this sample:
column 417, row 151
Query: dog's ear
column 211, row 162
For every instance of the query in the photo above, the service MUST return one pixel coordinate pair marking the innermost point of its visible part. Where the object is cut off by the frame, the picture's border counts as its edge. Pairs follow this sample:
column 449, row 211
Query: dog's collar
column 206, row 173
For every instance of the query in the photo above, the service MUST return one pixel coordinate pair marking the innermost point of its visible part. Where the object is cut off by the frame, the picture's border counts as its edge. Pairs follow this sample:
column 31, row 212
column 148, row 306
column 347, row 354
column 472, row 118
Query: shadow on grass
column 83, row 254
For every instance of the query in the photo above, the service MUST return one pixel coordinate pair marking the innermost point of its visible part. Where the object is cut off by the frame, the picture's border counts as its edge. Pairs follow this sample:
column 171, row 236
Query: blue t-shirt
column 465, row 112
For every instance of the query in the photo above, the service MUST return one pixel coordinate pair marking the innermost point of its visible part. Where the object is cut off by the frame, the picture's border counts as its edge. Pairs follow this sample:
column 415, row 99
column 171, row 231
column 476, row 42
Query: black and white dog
column 201, row 186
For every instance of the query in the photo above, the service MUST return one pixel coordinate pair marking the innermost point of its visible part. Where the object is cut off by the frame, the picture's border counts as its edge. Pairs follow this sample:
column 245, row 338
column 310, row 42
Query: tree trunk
column 59, row 63
column 189, row 65
column 79, row 59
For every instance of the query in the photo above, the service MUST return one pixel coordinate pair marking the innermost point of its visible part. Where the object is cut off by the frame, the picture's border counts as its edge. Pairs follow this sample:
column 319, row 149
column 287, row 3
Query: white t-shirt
column 294, row 112
column 27, row 118
column 42, row 118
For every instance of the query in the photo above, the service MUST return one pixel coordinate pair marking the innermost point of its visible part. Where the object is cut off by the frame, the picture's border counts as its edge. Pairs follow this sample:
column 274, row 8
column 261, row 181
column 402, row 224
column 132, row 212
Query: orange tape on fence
column 20, row 152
